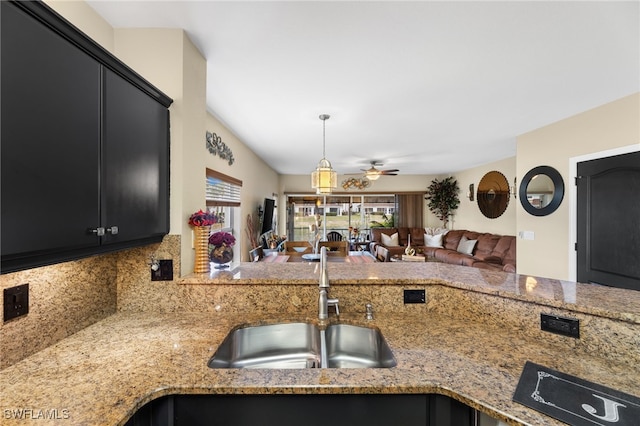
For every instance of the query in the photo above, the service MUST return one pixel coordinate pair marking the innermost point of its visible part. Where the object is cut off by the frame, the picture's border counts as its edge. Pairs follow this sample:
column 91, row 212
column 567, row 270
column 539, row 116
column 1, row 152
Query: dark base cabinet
column 84, row 145
column 308, row 410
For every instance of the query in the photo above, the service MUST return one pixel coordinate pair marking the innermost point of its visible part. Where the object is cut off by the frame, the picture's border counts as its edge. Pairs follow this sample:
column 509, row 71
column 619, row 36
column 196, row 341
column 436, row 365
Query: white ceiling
column 425, row 87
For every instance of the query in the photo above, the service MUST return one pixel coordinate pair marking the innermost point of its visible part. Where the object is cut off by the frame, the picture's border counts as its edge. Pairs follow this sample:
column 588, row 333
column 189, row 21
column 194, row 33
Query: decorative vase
column 409, row 251
column 221, row 255
column 201, row 245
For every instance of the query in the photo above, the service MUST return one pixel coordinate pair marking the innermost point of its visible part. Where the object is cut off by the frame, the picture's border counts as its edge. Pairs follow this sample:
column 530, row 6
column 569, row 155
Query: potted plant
column 442, row 198
column 387, row 221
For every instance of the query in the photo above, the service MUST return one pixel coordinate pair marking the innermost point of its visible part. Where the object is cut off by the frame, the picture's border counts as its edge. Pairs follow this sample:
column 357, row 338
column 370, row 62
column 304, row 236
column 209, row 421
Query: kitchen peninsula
column 469, row 341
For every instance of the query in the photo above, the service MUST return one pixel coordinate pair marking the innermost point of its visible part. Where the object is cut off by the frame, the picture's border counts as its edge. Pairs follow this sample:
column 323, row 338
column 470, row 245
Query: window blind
column 222, row 190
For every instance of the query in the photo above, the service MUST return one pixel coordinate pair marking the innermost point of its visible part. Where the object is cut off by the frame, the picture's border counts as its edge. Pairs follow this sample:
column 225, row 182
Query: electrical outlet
column 414, row 296
column 164, row 272
column 565, row 326
column 16, row 301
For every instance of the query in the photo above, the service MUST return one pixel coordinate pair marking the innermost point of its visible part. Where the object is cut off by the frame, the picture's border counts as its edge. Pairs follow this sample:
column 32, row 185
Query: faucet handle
column 369, row 313
column 334, row 303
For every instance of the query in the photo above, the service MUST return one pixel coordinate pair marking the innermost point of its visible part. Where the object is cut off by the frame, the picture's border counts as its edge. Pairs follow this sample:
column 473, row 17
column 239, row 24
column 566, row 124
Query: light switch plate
column 527, row 235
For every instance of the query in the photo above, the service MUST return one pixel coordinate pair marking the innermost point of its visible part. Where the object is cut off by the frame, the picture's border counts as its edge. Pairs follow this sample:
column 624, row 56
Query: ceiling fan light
column 372, row 176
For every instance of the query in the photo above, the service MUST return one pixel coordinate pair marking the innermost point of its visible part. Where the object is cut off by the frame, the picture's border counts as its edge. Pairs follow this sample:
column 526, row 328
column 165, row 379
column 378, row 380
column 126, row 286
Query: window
column 338, row 213
column 223, row 199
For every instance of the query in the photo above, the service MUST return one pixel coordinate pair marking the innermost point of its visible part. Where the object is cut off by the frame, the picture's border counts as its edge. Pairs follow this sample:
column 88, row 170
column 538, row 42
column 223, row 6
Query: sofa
column 456, row 247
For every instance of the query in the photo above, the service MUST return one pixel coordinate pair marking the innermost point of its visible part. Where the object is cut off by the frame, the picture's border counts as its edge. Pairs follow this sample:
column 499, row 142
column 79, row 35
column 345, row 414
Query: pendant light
column 324, row 179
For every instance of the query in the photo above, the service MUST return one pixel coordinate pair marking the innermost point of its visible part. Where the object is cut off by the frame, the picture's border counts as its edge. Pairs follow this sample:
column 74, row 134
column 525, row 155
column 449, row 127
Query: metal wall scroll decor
column 219, row 148
column 361, row 183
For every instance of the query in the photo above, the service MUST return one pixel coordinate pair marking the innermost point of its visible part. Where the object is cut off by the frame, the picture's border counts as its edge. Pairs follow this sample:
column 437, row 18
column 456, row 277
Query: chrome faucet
column 323, row 300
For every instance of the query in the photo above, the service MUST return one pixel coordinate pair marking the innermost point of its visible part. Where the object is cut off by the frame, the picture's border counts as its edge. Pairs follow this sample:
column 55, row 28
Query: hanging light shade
column 324, row 179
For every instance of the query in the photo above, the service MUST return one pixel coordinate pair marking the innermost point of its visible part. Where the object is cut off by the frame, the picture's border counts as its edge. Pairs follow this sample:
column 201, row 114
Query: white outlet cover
column 527, row 235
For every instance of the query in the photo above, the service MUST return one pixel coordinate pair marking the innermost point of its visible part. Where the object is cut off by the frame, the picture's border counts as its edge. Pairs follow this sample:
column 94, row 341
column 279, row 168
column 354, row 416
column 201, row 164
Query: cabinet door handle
column 113, row 230
column 98, row 231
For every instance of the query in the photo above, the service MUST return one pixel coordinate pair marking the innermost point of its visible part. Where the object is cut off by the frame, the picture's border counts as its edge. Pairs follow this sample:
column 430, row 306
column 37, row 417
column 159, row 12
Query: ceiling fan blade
column 386, row 172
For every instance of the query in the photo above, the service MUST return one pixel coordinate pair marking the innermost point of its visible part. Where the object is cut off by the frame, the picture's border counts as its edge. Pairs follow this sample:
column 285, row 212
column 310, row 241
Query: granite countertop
column 104, row 373
column 591, row 299
column 107, row 371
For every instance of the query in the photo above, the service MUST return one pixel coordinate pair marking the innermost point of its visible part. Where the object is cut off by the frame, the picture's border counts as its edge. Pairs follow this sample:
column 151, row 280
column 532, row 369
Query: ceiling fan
column 373, row 173
column 370, row 175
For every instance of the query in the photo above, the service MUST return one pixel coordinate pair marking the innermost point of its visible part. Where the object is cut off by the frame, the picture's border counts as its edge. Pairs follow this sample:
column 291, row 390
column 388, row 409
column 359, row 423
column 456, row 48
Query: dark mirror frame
column 558, row 190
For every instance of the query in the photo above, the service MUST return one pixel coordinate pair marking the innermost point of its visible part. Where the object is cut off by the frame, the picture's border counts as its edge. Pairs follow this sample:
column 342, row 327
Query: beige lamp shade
column 324, row 179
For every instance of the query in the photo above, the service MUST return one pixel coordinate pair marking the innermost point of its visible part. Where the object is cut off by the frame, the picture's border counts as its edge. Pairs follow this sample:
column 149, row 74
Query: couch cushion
column 433, row 240
column 435, row 231
column 452, row 238
column 430, row 251
column 466, row 245
column 417, row 236
column 510, row 256
column 509, row 268
column 452, row 257
column 376, row 232
column 472, row 235
column 489, row 259
column 486, row 244
column 485, row 265
column 390, row 240
column 506, row 249
column 402, row 236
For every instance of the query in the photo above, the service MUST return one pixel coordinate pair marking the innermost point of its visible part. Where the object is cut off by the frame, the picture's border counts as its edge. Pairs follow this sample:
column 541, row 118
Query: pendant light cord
column 324, row 118
column 324, row 155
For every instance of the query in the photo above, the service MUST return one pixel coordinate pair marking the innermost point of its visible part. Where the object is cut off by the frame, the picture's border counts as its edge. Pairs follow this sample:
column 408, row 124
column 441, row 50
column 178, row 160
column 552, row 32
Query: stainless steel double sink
column 303, row 345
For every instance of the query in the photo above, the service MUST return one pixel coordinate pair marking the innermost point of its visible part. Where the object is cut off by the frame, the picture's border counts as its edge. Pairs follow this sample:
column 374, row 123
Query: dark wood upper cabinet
column 84, row 145
column 134, row 159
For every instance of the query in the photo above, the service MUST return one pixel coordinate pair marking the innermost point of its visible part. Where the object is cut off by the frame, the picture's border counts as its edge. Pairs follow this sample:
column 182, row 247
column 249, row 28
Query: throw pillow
column 433, row 240
column 390, row 240
column 466, row 245
column 435, row 231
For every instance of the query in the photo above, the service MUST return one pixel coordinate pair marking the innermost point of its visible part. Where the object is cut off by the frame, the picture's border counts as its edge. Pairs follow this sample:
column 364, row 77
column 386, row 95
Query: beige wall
column 168, row 59
column 81, row 15
column 259, row 181
column 610, row 126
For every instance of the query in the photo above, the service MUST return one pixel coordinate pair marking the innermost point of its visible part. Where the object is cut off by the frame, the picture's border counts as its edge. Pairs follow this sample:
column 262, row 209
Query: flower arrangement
column 222, row 252
column 201, row 218
column 218, row 239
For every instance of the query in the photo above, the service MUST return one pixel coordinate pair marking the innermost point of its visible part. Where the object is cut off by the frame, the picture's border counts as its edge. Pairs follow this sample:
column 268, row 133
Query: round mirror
column 493, row 194
column 541, row 190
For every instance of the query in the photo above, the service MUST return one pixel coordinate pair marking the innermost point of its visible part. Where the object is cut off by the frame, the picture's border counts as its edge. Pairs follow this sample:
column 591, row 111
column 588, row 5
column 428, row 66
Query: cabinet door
column 445, row 411
column 50, row 139
column 135, row 163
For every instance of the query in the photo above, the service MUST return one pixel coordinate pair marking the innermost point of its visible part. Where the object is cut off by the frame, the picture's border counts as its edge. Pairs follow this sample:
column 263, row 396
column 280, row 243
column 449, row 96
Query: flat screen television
column 267, row 215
